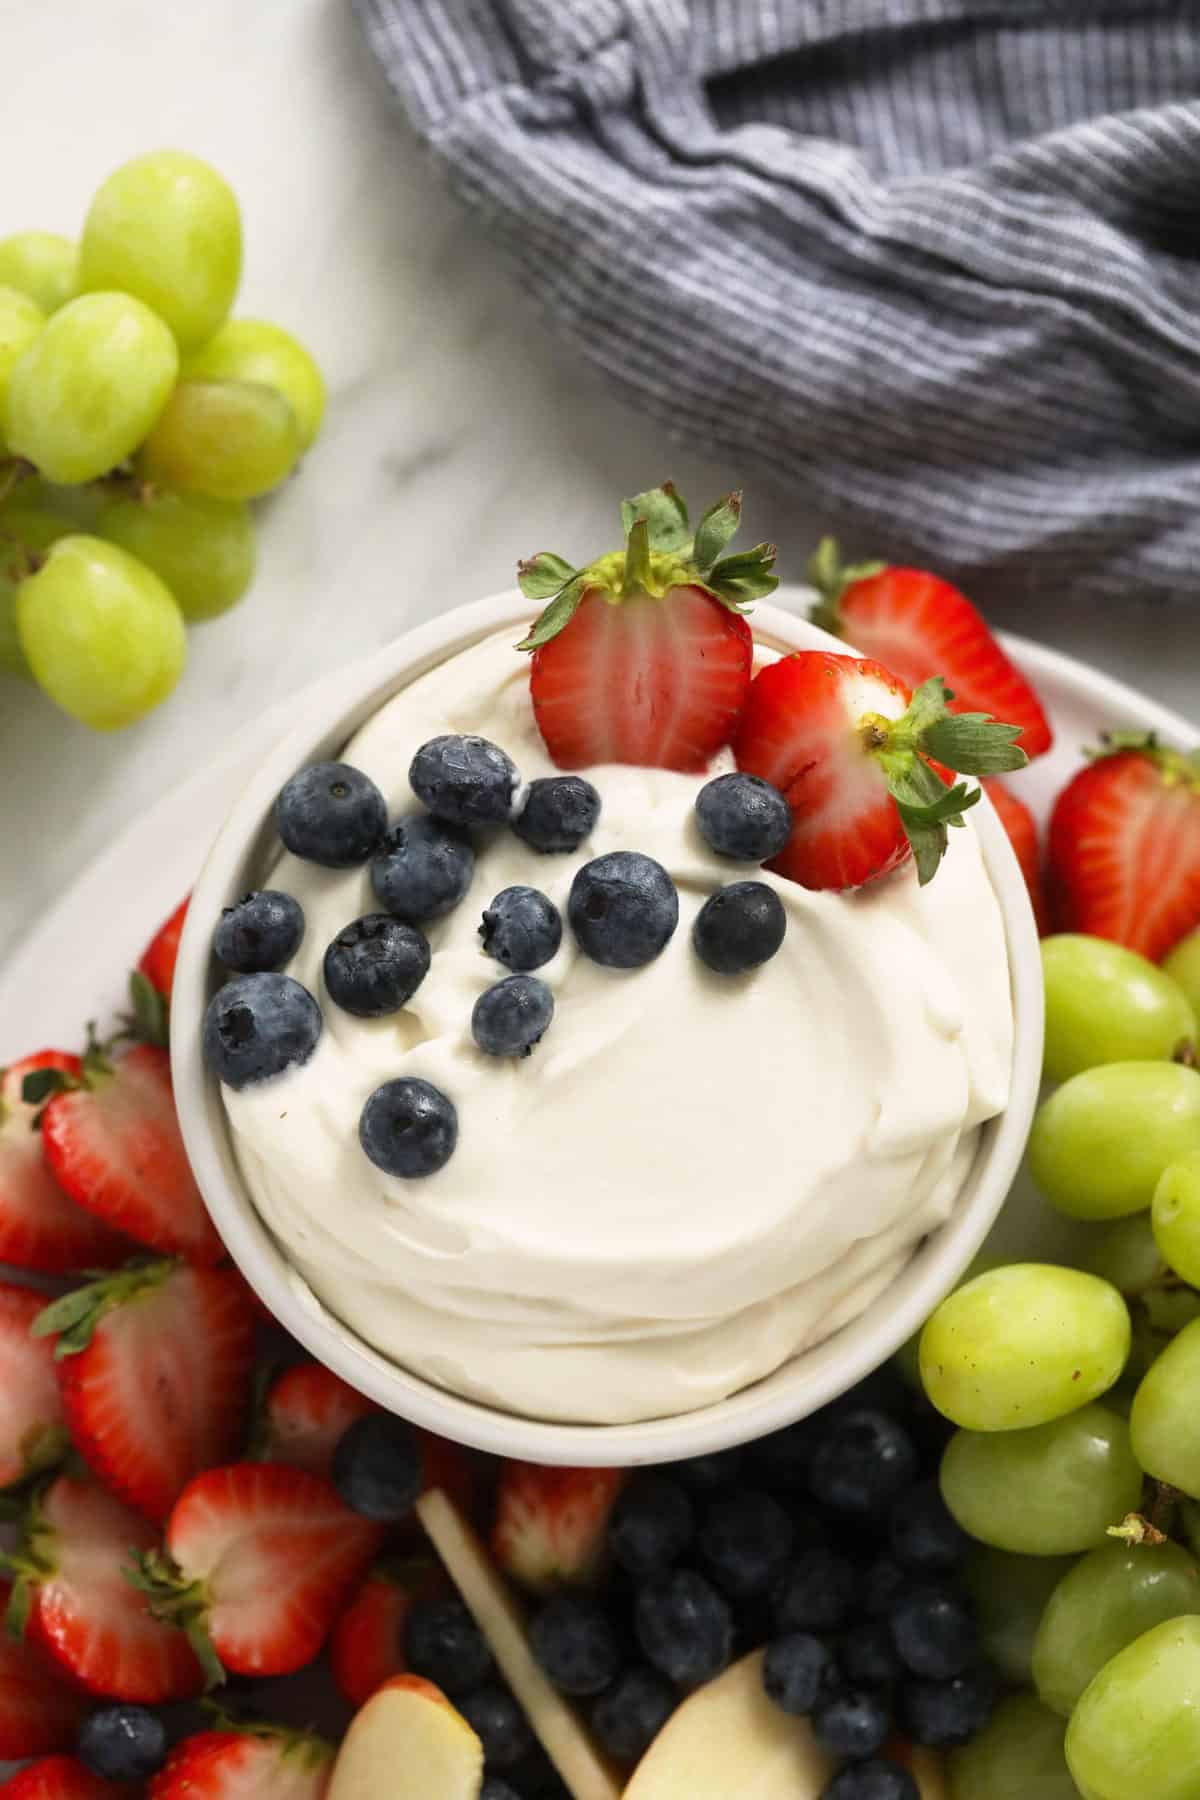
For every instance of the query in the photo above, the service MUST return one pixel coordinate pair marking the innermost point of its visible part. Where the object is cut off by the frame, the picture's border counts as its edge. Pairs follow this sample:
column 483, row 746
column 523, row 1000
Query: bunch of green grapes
column 1076, row 1396
column 137, row 419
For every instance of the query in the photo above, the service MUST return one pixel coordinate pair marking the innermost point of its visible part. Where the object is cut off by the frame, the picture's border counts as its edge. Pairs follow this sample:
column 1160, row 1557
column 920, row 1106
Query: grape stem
column 12, row 471
column 1186, row 1053
column 1135, row 1528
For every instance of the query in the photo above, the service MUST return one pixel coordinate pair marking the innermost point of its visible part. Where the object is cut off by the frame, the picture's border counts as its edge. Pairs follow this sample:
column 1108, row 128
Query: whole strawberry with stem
column 1124, row 845
column 866, row 765
column 643, row 656
column 918, row 625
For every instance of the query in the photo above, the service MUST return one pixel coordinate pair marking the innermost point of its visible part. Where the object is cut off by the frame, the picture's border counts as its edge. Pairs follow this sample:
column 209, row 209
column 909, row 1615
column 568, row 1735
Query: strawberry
column 864, row 764
column 241, row 1762
column 112, row 1140
column 917, row 626
column 40, row 1227
column 258, row 1560
column 304, row 1412
column 643, row 656
column 1022, row 830
column 38, row 1711
column 551, row 1523
column 154, row 1368
column 367, row 1645
column 74, row 1598
column 157, row 961
column 59, row 1778
column 1124, row 846
column 32, row 1433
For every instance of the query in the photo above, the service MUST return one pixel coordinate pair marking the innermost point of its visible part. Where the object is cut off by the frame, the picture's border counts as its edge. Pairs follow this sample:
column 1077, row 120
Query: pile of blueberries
column 623, row 910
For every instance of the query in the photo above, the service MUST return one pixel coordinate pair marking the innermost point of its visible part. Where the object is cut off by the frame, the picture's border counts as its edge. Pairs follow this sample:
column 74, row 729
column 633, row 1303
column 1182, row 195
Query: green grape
column 1109, row 1598
column 1169, row 1309
column 231, row 439
column 1135, row 1734
column 1023, row 1344
column 20, row 323
column 1182, row 964
column 202, row 548
column 253, row 350
column 1164, row 1423
column 1010, row 1594
column 1018, row 1755
column 40, row 264
column 102, row 634
column 908, row 1357
column 1126, row 1253
column 1102, row 1140
column 1175, row 1216
column 166, row 228
column 1106, row 1004
column 88, row 389
column 1045, row 1491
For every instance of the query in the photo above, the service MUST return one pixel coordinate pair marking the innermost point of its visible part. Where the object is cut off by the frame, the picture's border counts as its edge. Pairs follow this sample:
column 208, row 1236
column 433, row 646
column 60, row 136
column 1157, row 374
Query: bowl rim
column 800, row 1386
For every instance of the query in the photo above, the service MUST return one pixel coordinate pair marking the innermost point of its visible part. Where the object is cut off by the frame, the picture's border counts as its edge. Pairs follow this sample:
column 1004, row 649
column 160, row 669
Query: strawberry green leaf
column 539, row 577
column 558, row 614
column 40, row 1084
column 974, row 744
column 75, row 1316
column 929, row 843
column 716, row 529
column 743, row 577
column 665, row 514
column 637, row 575
column 831, row 577
column 149, row 1024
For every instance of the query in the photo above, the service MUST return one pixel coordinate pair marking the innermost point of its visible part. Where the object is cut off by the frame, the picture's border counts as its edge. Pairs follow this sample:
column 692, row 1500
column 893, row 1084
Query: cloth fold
column 935, row 263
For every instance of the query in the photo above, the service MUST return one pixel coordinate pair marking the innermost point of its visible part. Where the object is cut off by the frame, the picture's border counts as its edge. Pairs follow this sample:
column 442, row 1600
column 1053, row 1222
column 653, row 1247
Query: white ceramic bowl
column 239, row 860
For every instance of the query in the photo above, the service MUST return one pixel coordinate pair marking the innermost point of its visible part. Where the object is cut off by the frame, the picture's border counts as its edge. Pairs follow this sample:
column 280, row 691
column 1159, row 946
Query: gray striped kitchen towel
column 936, row 263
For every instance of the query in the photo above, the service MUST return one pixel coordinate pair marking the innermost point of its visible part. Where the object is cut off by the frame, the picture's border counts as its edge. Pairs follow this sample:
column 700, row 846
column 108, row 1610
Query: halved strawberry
column 1124, row 846
column 258, row 1560
column 242, row 1762
column 643, row 657
column 40, row 1226
column 367, row 1645
column 1022, row 830
column 864, row 764
column 59, row 1778
column 114, row 1145
column 32, row 1432
column 74, row 1598
column 39, row 1712
column 917, row 625
column 154, row 1367
column 551, row 1524
column 305, row 1410
column 157, row 961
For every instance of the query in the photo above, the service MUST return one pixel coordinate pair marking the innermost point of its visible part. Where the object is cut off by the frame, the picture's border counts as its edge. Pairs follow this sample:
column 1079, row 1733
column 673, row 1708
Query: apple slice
column 409, row 1743
column 562, row 1733
column 727, row 1738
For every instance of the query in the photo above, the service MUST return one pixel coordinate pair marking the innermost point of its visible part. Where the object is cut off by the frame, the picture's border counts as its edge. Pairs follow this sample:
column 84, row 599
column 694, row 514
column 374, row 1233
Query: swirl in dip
column 693, row 1177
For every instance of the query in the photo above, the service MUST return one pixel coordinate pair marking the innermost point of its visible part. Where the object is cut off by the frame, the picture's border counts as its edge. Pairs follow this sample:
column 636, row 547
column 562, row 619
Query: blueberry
column 740, row 927
column 651, row 1524
column 509, row 1018
column 331, row 814
column 863, row 1464
column 260, row 931
column 816, row 1591
column 934, row 1631
column 375, row 965
column 884, row 1580
column 941, row 1714
column 878, row 1779
column 781, row 1460
column 443, row 1643
column 422, row 869
column 744, row 817
column 684, row 1626
column 495, row 1789
column 628, row 1718
column 464, row 780
column 744, row 1539
column 559, row 812
column 706, row 1474
column 796, row 1669
column 377, row 1467
column 623, row 909
column 854, row 1723
column 867, row 1656
column 408, row 1128
column 574, row 1641
column 923, row 1532
column 521, row 928
column 123, row 1742
column 256, row 1026
column 499, row 1724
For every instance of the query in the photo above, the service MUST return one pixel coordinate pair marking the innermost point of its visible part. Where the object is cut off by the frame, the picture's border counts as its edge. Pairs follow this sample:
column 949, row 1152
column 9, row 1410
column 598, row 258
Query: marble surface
column 459, row 434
